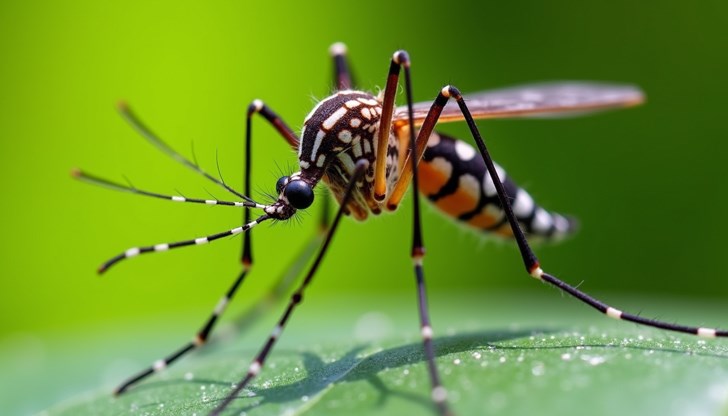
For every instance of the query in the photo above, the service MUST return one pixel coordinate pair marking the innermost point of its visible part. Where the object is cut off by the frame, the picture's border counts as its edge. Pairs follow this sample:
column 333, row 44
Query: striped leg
column 256, row 106
column 343, row 79
column 203, row 334
column 285, row 281
column 257, row 364
column 197, row 341
column 278, row 290
column 529, row 258
column 135, row 251
column 439, row 393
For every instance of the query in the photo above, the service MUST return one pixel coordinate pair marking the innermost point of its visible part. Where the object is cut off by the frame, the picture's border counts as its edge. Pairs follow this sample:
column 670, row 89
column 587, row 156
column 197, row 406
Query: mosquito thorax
column 340, row 130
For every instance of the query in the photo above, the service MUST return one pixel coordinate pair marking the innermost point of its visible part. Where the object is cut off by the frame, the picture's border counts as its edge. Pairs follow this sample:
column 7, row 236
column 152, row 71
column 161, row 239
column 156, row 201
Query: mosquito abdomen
column 454, row 178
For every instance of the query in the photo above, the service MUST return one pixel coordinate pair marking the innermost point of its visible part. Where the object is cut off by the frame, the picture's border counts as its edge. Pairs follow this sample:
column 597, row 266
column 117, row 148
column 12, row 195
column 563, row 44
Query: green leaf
column 586, row 364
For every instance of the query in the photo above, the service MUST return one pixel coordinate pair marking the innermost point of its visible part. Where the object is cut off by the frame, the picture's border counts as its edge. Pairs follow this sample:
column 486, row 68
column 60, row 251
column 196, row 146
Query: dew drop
column 476, row 355
column 594, row 359
column 538, row 369
column 304, row 398
column 456, row 361
column 566, row 356
column 189, row 376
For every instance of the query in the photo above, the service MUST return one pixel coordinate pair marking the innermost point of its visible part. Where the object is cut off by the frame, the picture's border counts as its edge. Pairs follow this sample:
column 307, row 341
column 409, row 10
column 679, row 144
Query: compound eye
column 299, row 194
column 280, row 184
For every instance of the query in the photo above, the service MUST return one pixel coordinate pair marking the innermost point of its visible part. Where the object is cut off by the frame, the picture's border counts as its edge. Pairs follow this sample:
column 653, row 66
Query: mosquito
column 368, row 153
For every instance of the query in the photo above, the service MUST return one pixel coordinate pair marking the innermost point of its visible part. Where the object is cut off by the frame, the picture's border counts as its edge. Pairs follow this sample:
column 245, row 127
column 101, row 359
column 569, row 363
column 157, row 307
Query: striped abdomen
column 454, row 177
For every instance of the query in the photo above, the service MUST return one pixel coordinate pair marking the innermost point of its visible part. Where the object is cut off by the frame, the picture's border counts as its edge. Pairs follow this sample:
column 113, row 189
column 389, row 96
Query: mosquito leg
column 285, row 280
column 385, row 124
column 280, row 287
column 343, row 79
column 203, row 334
column 198, row 340
column 529, row 258
column 439, row 393
column 296, row 298
column 258, row 106
column 135, row 251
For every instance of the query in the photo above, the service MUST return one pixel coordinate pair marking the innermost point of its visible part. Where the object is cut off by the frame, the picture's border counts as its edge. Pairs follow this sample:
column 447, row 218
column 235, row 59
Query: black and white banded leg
column 439, row 393
column 257, row 364
column 203, row 334
column 135, row 251
column 197, row 341
column 530, row 260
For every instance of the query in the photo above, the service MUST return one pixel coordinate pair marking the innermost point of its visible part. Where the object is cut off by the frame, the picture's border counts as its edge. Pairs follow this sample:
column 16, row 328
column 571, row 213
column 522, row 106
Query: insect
column 368, row 153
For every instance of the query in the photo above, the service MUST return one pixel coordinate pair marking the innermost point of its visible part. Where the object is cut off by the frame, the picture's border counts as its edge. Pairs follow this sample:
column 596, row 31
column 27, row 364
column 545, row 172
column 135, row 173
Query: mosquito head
column 294, row 193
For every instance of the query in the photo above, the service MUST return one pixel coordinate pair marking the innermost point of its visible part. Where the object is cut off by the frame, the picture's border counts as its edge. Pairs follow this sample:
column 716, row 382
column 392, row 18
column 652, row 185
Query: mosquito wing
column 557, row 99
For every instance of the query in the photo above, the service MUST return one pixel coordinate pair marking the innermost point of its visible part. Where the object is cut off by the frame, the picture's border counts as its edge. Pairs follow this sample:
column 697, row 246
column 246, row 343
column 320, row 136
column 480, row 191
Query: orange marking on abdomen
column 482, row 220
column 457, row 203
column 504, row 230
column 431, row 177
column 435, row 174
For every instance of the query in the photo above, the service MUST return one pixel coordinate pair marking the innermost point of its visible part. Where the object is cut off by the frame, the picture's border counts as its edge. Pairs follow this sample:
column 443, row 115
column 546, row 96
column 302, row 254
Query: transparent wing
column 555, row 99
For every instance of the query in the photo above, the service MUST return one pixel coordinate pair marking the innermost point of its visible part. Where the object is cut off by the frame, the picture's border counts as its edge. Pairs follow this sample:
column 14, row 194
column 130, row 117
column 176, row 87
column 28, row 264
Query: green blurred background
column 647, row 184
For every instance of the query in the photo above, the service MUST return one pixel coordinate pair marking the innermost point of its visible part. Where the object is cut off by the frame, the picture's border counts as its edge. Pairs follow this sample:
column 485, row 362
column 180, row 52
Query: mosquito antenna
column 87, row 177
column 217, row 165
column 128, row 181
column 194, row 155
column 207, row 191
column 140, row 127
